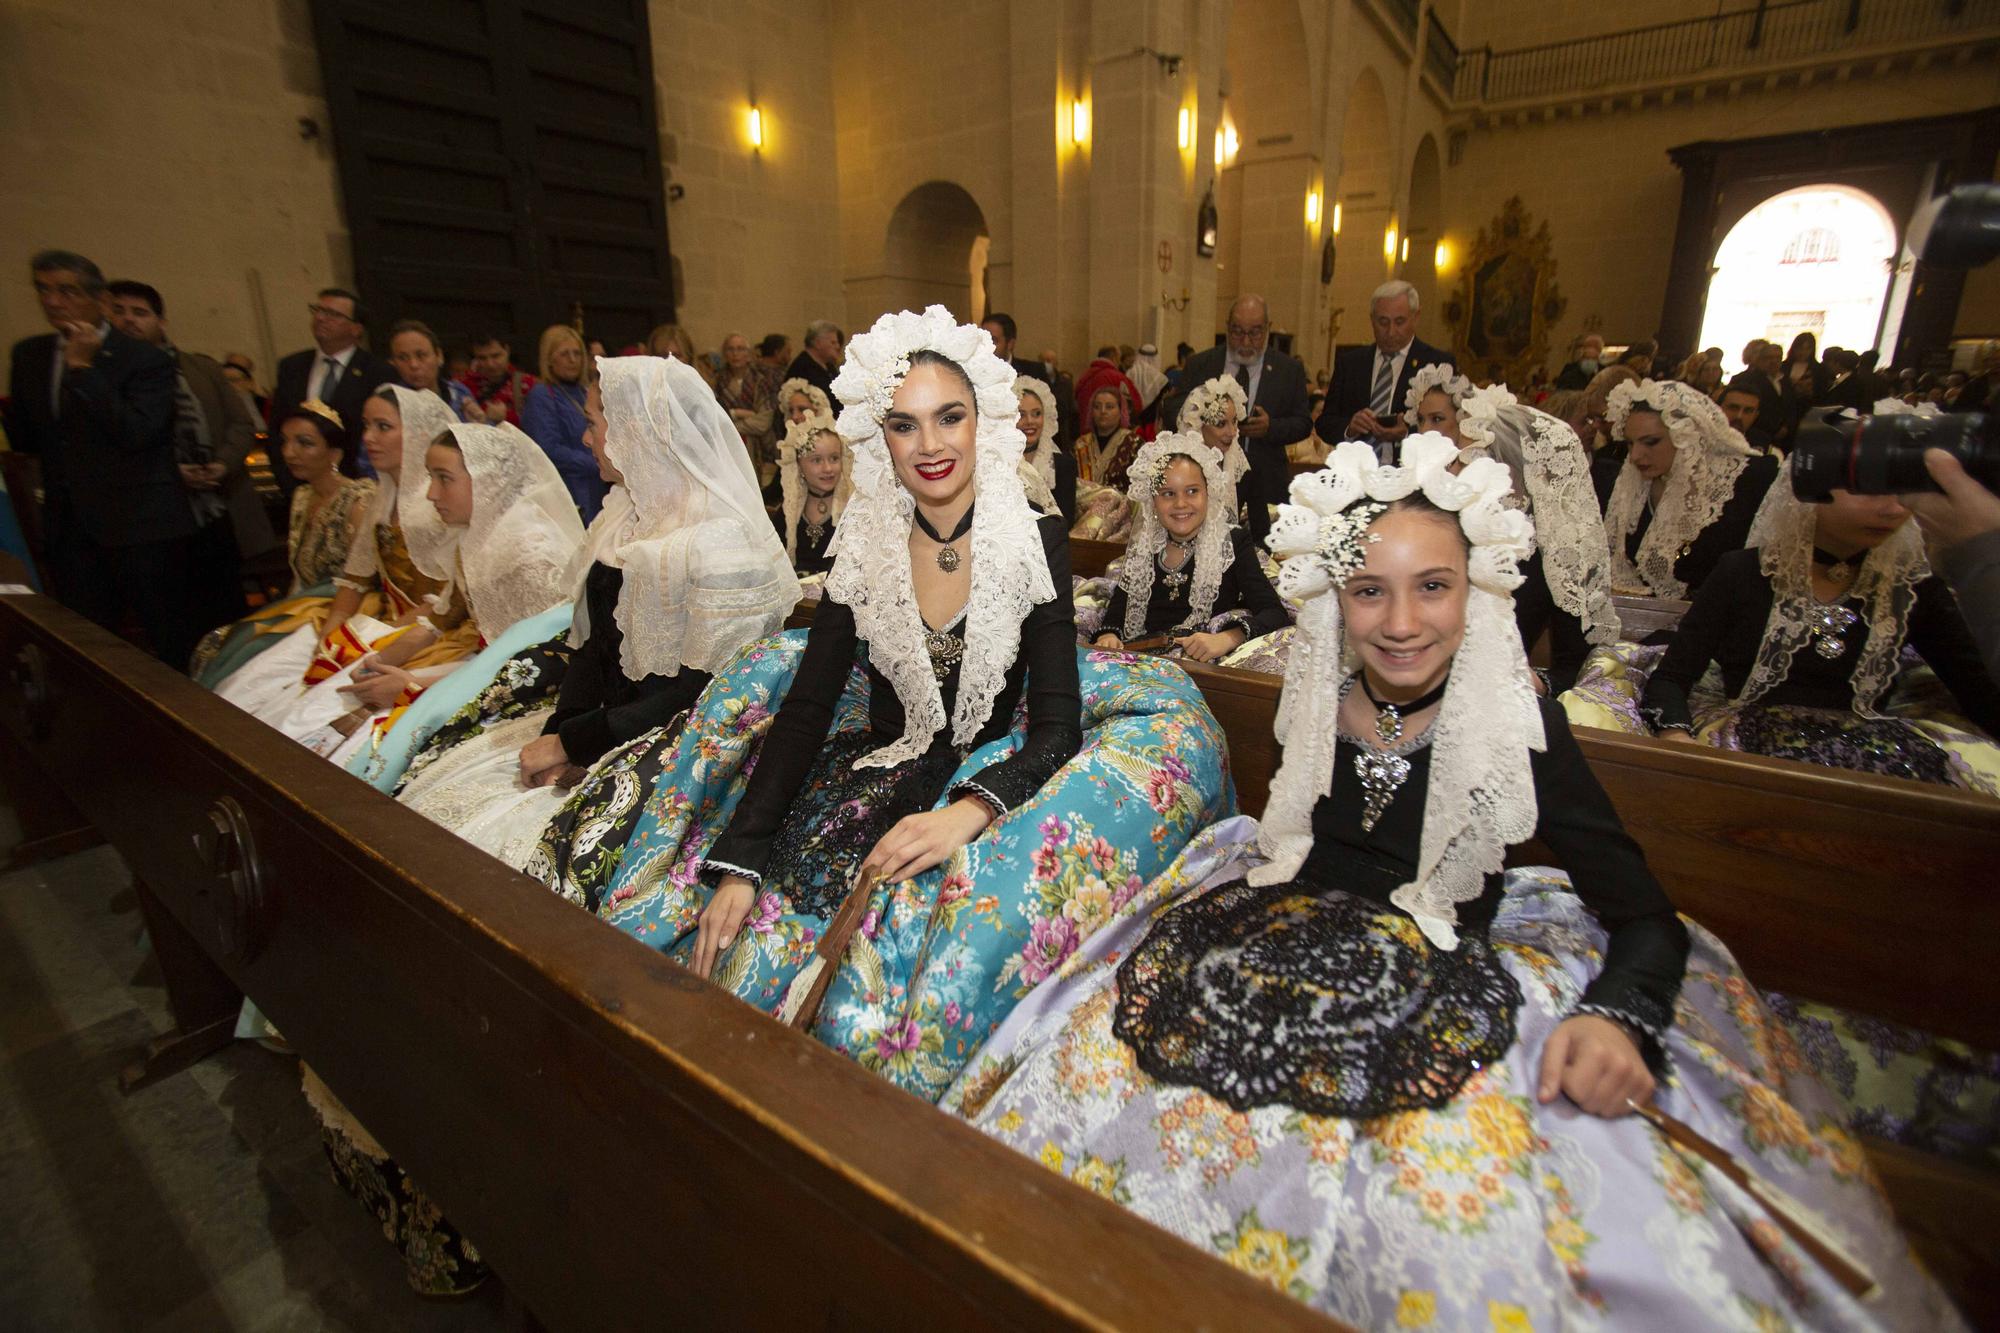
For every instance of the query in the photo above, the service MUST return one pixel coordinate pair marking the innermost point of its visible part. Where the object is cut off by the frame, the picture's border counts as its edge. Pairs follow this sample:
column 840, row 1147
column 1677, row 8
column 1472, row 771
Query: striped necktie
column 1385, row 384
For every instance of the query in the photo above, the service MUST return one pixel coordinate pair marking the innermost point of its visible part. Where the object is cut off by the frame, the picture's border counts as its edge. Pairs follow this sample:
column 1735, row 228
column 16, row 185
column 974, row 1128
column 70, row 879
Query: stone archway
column 1815, row 259
column 1424, row 222
column 933, row 253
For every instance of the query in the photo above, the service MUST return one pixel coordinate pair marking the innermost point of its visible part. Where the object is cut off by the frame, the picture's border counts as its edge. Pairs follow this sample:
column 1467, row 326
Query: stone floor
column 199, row 1203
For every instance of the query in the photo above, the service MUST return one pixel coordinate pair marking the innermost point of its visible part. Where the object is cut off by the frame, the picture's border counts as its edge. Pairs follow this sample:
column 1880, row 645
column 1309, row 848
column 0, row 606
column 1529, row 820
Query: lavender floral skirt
column 1494, row 1210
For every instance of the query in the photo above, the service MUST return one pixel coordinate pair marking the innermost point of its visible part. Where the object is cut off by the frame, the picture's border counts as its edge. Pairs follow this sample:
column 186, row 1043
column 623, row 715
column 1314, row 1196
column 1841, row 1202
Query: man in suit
column 336, row 369
column 1005, row 333
column 820, row 361
column 1763, row 375
column 1275, row 385
column 97, row 408
column 1370, row 383
column 213, row 435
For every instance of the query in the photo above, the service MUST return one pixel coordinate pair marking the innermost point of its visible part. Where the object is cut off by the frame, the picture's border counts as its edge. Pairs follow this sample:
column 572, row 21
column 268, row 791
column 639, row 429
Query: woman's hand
column 1210, row 647
column 1596, row 1064
column 376, row 685
column 918, row 842
column 542, row 761
column 1108, row 641
column 405, row 646
column 1679, row 734
column 721, row 919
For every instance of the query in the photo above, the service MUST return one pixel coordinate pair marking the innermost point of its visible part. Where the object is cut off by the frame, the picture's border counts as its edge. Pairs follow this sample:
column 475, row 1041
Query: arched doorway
column 1421, row 228
column 1817, row 259
column 935, row 253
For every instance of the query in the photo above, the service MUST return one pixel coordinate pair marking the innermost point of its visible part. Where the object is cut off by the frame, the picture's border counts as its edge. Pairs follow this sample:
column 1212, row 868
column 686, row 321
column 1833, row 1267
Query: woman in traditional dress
column 379, row 589
column 1217, row 409
column 1038, row 427
column 813, row 472
column 1360, row 1062
column 554, row 416
column 1189, row 573
column 680, row 573
column 990, row 844
column 1566, row 587
column 799, row 399
column 1105, row 452
column 1687, row 493
column 327, row 508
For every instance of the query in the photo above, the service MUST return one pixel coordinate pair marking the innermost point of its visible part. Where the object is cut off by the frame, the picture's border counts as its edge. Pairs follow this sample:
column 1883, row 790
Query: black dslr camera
column 1885, row 455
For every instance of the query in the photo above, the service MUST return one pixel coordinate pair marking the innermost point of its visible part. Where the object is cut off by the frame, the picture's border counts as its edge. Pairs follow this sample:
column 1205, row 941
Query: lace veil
column 821, row 405
column 1481, row 794
column 1211, row 544
column 1207, row 405
column 1552, row 472
column 1886, row 586
column 1044, row 461
column 524, row 534
column 798, row 442
column 871, row 567
column 431, row 545
column 705, row 575
column 1709, row 456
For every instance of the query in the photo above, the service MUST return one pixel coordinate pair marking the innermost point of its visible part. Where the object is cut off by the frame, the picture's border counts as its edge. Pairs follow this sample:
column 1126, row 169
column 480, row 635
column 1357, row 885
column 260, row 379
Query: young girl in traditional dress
column 813, row 473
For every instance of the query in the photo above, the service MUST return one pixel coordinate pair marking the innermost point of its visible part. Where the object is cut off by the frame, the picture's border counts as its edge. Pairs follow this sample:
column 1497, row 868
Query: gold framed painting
column 1507, row 299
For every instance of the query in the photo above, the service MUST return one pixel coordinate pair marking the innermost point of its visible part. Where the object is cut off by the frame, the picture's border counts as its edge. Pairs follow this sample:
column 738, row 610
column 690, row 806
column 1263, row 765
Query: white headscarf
column 1208, row 405
column 1551, row 474
column 800, row 437
column 705, row 576
column 1211, row 555
column 1146, row 375
column 431, row 544
column 1709, row 457
column 1784, row 534
column 517, row 550
column 821, row 407
column 1481, row 794
column 1044, row 461
column 871, row 568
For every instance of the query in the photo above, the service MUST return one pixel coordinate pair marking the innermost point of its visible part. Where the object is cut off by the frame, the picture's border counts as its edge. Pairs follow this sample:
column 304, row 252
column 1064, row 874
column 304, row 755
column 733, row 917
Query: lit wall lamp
column 1389, row 242
column 1079, row 121
column 1230, row 140
column 1405, row 255
column 1221, row 157
column 1336, row 217
column 1186, row 136
column 1312, row 208
column 756, row 127
column 1442, row 259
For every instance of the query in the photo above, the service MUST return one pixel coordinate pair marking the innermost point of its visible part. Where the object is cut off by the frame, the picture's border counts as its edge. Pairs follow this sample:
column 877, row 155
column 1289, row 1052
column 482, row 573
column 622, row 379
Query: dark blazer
column 297, row 382
column 232, row 433
column 1281, row 392
column 1776, row 409
column 108, row 458
column 1354, row 383
column 803, row 367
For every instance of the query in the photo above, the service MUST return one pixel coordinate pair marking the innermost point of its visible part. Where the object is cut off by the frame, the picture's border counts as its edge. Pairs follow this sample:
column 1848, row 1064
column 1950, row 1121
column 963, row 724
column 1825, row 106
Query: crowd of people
column 544, row 609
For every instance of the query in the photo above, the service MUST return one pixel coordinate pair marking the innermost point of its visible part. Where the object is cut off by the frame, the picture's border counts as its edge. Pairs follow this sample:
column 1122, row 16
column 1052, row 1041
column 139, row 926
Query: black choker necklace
column 1389, row 716
column 1840, row 570
column 947, row 558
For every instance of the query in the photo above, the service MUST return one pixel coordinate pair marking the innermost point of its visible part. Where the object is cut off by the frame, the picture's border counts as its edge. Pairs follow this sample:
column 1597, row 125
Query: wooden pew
column 630, row 1146
column 1089, row 558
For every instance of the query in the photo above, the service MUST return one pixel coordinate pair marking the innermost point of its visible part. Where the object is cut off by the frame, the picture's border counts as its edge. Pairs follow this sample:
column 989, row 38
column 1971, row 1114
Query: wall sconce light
column 1221, row 158
column 1079, row 121
column 1336, row 217
column 1312, row 207
column 1404, row 257
column 1186, row 136
column 1230, row 140
column 756, row 127
column 1389, row 242
column 1441, row 260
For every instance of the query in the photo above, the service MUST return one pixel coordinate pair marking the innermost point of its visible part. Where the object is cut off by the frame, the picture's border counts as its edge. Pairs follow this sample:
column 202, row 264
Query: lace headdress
column 516, row 551
column 821, row 405
column 871, row 567
column 1044, row 461
column 431, row 544
column 1211, row 554
column 1709, row 456
column 705, row 576
column 1207, row 404
column 1475, row 406
column 1481, row 794
column 1783, row 534
column 800, row 438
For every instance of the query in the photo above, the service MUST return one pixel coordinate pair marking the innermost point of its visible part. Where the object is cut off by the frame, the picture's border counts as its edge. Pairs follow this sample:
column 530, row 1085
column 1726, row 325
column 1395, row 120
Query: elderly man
column 818, row 363
column 336, row 369
column 97, row 407
column 1586, row 361
column 1370, row 383
column 1275, row 385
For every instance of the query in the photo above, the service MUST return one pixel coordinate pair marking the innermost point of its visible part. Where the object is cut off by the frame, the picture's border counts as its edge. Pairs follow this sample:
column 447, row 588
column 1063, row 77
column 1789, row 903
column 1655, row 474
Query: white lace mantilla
column 800, row 437
column 524, row 534
column 1709, row 457
column 1043, row 460
column 1211, row 553
column 424, row 417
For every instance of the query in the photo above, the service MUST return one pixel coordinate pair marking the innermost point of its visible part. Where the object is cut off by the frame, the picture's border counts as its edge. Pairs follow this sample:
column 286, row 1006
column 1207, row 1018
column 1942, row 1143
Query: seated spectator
column 336, row 369
column 775, row 351
column 418, row 356
column 499, row 387
column 749, row 394
column 1586, row 356
column 820, row 360
column 555, row 417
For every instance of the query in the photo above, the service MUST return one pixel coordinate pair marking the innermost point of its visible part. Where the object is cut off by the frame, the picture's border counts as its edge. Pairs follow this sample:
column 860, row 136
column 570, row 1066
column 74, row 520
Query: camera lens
column 1885, row 455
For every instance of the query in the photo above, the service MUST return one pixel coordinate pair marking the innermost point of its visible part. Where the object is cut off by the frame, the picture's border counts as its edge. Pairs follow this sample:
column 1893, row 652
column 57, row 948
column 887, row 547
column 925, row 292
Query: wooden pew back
column 625, row 1142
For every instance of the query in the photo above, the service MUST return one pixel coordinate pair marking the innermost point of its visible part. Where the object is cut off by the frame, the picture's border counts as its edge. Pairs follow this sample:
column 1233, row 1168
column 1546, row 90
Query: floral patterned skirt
column 526, row 682
column 1491, row 1210
column 582, row 845
column 941, row 957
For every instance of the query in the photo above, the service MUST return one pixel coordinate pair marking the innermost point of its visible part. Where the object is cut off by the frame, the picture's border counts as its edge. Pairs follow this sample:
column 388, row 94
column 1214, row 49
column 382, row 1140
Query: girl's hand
column 1108, row 641
column 1678, row 734
column 375, row 686
column 1209, row 647
column 918, row 842
column 1596, row 1064
column 542, row 761
column 720, row 921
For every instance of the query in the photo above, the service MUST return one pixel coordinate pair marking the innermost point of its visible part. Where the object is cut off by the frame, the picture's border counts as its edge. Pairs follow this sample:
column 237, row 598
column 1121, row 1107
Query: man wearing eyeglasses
column 337, row 370
column 1275, row 384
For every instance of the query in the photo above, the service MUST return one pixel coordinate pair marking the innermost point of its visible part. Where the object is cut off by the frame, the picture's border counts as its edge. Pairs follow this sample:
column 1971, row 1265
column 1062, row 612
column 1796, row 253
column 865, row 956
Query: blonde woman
column 554, row 417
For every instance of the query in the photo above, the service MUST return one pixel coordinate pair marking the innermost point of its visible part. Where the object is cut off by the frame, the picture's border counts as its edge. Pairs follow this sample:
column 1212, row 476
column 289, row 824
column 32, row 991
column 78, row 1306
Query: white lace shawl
column 1208, row 405
column 1044, row 458
column 800, row 437
column 1211, row 555
column 1783, row 534
column 871, row 567
column 1481, row 794
column 1552, row 474
column 705, row 575
column 424, row 416
column 517, row 550
column 1709, row 457
column 822, row 406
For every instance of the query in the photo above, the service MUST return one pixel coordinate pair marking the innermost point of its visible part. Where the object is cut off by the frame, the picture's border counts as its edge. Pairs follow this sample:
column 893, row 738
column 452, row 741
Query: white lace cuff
column 973, row 789
column 725, row 868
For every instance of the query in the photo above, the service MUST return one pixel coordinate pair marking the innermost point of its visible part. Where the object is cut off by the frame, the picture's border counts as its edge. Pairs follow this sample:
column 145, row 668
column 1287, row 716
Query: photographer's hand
column 1966, row 508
